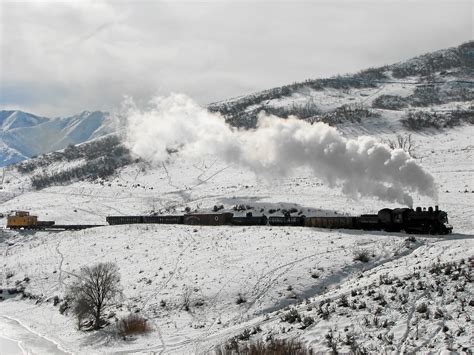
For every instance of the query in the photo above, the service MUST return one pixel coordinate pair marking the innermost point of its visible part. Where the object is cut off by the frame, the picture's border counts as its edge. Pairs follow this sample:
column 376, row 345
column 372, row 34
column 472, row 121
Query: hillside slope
column 439, row 84
column 271, row 268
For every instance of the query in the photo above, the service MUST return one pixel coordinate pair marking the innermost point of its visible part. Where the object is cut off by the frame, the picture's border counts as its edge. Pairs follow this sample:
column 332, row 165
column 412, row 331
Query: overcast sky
column 63, row 57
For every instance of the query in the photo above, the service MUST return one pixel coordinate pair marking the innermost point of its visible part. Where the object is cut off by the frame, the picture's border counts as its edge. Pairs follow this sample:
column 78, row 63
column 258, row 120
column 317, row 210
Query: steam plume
column 361, row 166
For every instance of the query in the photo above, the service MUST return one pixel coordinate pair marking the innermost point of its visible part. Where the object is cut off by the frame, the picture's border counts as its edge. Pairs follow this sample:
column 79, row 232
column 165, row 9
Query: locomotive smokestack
column 436, row 208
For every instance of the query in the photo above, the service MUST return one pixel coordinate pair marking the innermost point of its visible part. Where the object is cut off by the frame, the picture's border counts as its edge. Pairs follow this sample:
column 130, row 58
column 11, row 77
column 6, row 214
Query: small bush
column 362, row 255
column 390, row 102
column 307, row 322
column 422, row 308
column 343, row 302
column 133, row 324
column 186, row 300
column 240, row 299
column 438, row 313
column 291, row 316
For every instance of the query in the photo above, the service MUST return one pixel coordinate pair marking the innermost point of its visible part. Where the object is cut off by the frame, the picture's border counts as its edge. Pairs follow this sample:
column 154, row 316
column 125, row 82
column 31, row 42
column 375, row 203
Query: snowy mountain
column 23, row 135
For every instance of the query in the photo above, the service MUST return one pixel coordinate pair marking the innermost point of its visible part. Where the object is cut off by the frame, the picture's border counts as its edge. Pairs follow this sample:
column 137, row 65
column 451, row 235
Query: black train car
column 163, row 219
column 424, row 221
column 286, row 221
column 368, row 222
column 331, row 222
column 124, row 219
column 250, row 220
column 208, row 219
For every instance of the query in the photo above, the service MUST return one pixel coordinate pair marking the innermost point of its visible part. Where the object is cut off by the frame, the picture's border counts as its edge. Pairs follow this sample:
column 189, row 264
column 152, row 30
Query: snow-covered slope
column 312, row 270
column 23, row 135
column 440, row 83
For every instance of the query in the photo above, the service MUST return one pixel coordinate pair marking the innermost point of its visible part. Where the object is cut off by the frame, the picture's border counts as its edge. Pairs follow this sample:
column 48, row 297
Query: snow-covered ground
column 270, row 268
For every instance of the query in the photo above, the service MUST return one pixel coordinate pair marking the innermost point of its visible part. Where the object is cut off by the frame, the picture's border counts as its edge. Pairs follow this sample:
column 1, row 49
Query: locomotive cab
column 445, row 227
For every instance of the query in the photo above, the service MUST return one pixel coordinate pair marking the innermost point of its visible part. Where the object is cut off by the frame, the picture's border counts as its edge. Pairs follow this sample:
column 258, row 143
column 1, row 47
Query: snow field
column 270, row 267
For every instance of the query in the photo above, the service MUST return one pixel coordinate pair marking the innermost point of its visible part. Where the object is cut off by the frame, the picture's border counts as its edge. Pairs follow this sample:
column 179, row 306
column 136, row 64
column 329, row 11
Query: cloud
column 90, row 54
column 361, row 166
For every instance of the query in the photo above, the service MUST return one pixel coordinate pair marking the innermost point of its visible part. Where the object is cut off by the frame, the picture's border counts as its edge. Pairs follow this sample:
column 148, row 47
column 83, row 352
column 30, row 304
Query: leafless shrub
column 422, row 308
column 291, row 316
column 362, row 255
column 343, row 301
column 186, row 302
column 307, row 322
column 133, row 324
column 323, row 310
column 438, row 313
column 95, row 289
column 390, row 102
column 332, row 341
column 404, row 142
column 240, row 299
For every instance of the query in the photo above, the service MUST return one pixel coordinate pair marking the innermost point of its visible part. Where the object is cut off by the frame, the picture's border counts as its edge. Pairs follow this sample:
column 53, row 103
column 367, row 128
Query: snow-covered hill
column 23, row 135
column 439, row 84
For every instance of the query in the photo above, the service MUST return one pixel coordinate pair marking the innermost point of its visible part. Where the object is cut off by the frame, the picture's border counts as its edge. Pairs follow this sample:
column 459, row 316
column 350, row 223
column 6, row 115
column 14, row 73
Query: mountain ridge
column 24, row 135
column 432, row 79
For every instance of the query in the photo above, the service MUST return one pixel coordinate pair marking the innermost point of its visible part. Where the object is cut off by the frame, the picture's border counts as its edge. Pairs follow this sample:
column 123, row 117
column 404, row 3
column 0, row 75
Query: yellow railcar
column 21, row 219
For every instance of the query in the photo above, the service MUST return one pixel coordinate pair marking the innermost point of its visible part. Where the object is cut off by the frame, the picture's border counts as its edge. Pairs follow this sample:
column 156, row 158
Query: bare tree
column 405, row 142
column 187, row 294
column 95, row 289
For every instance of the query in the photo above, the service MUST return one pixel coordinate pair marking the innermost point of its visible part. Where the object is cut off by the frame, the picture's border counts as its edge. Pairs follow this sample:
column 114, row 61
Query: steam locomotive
column 418, row 221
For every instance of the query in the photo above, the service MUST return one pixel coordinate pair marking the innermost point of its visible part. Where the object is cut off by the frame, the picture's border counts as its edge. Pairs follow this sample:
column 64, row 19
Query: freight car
column 112, row 220
column 287, row 221
column 331, row 222
column 250, row 220
column 208, row 219
column 205, row 219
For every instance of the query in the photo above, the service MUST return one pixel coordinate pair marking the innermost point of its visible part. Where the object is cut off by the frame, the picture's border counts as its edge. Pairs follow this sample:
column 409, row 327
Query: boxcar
column 163, row 219
column 286, row 221
column 330, row 222
column 124, row 219
column 208, row 219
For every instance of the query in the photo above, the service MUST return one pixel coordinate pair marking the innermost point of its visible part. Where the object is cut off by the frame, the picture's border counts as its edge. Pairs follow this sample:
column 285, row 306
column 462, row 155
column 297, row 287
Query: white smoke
column 362, row 166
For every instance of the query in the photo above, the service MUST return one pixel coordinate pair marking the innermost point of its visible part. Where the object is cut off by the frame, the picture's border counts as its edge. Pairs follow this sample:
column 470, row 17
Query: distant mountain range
column 24, row 135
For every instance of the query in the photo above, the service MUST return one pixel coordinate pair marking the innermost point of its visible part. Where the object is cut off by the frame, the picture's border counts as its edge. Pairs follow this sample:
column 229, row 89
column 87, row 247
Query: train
column 413, row 221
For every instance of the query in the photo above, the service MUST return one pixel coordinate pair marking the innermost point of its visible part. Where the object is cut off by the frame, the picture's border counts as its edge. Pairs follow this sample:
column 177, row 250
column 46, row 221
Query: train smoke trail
column 361, row 166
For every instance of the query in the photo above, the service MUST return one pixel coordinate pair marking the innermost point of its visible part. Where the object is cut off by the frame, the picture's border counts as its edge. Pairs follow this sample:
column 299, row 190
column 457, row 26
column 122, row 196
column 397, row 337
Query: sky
column 59, row 58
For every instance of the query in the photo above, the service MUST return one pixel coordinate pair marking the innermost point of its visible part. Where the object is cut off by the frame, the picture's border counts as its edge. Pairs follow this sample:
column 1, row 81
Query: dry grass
column 133, row 324
column 274, row 347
